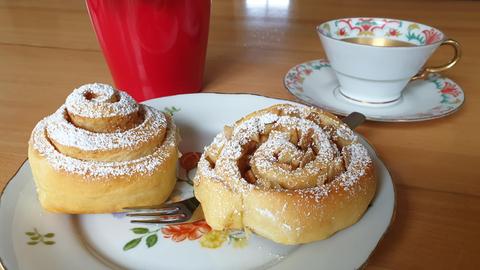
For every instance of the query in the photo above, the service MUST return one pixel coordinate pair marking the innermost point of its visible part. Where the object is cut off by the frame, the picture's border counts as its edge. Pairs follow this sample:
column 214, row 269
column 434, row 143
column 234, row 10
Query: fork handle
column 354, row 120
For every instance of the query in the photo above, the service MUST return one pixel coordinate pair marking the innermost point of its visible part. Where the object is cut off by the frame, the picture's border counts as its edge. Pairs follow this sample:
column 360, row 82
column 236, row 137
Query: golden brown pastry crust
column 77, row 170
column 311, row 201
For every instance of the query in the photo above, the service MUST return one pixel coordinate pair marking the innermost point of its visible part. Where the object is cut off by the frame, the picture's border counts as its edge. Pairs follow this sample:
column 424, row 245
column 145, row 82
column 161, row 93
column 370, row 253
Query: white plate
column 315, row 83
column 60, row 241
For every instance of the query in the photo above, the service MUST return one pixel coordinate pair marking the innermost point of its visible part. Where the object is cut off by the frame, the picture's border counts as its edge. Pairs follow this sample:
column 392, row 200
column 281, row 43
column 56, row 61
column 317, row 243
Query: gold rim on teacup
column 359, row 101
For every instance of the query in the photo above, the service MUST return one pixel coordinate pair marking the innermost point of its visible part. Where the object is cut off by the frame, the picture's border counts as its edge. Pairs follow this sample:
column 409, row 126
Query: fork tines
column 166, row 213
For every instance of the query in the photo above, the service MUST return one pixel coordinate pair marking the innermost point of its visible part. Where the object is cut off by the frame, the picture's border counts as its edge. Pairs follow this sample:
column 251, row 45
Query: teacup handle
column 456, row 56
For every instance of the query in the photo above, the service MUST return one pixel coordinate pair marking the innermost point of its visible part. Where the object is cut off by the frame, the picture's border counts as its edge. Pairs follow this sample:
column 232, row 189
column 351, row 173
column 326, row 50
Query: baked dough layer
column 88, row 168
column 292, row 174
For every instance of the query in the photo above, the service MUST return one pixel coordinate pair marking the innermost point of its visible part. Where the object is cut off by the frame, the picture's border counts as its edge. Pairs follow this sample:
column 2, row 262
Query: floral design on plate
column 150, row 237
column 197, row 230
column 171, row 110
column 296, row 76
column 451, row 94
column 215, row 239
column 37, row 237
column 190, row 231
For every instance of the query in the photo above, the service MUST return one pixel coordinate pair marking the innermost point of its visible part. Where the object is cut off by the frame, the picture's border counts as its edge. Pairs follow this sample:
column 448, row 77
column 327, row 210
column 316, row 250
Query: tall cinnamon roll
column 101, row 152
column 292, row 174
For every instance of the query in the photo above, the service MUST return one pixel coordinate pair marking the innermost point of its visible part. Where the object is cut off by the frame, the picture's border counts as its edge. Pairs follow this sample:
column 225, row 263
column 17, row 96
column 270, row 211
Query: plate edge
column 2, row 265
column 392, row 218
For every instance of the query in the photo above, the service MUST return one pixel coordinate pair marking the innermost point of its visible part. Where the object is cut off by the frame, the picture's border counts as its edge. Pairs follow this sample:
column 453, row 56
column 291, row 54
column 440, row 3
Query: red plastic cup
column 153, row 47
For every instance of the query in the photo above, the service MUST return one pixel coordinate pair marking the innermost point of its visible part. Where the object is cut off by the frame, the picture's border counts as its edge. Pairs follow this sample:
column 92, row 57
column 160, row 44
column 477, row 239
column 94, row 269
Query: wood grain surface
column 47, row 48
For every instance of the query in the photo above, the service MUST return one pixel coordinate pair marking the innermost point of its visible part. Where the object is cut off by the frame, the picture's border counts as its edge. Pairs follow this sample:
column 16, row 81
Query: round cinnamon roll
column 101, row 152
column 292, row 174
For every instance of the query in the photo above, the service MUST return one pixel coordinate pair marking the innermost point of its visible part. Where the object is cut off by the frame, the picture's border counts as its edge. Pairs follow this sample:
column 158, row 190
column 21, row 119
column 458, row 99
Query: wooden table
column 47, row 48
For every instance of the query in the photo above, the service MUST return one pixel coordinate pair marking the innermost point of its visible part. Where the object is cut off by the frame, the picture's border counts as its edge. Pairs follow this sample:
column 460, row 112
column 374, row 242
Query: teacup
column 375, row 58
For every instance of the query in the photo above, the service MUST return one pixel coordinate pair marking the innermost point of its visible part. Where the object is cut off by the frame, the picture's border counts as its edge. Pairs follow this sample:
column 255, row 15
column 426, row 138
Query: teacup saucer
column 315, row 83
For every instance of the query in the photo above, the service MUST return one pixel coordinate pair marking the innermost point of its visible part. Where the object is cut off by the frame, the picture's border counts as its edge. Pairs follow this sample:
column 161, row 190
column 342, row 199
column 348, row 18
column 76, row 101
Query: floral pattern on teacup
column 400, row 30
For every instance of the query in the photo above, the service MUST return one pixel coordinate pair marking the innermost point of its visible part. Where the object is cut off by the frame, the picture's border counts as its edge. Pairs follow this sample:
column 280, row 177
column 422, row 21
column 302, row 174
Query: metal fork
column 354, row 119
column 167, row 213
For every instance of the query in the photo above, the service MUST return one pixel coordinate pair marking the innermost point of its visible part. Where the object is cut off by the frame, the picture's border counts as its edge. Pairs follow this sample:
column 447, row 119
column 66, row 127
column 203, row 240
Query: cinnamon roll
column 101, row 152
column 292, row 174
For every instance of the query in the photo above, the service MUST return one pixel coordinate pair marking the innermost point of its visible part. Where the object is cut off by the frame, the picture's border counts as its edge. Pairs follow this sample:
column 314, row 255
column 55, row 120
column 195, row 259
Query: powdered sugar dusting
column 248, row 129
column 268, row 144
column 145, row 165
column 344, row 132
column 358, row 161
column 103, row 101
column 292, row 117
column 65, row 133
column 326, row 149
column 298, row 109
column 98, row 100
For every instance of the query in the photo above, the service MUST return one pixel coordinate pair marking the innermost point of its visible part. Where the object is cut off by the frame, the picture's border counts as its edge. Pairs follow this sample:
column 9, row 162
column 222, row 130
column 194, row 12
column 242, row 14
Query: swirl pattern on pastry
column 290, row 173
column 102, row 141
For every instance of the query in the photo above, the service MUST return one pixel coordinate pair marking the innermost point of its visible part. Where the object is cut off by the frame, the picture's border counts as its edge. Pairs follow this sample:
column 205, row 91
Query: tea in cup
column 375, row 58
